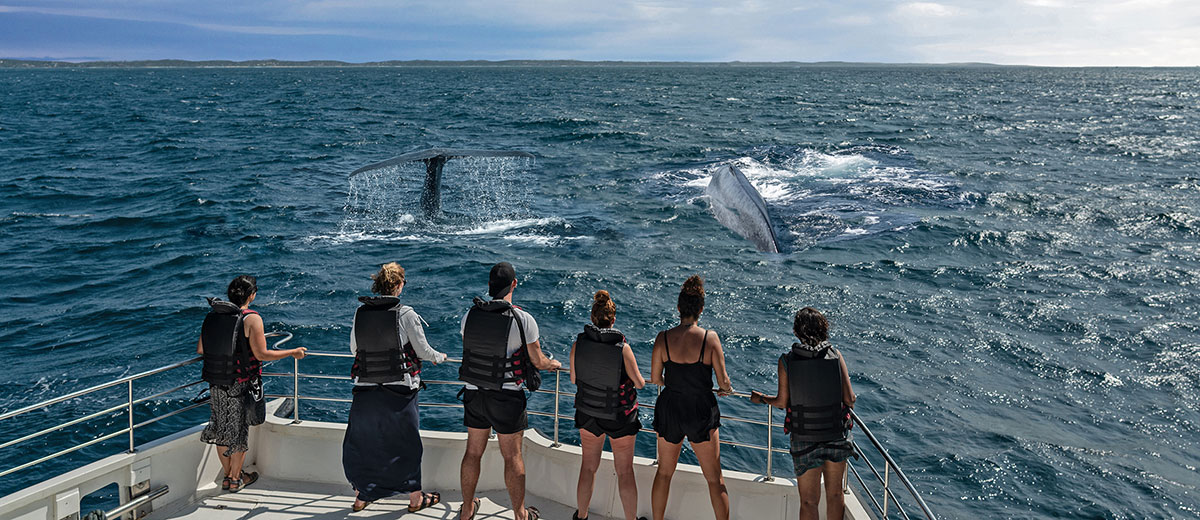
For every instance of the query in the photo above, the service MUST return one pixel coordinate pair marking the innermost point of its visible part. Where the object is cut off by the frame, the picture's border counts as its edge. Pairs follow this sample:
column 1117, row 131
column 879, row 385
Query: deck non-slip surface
column 270, row 499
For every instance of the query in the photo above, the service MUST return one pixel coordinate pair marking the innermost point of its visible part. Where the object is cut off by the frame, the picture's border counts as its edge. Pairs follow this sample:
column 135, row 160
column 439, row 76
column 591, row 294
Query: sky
column 1028, row 32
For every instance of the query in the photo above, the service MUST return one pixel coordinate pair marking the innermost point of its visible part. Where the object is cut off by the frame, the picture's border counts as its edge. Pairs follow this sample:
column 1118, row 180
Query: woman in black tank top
column 686, row 406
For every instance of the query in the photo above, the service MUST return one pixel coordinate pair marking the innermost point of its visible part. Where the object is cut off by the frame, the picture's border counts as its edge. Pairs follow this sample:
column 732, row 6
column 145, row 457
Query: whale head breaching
column 435, row 159
column 739, row 207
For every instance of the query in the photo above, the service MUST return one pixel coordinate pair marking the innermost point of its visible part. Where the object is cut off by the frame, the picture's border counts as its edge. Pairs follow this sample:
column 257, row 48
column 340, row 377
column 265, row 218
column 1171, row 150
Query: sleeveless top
column 694, row 377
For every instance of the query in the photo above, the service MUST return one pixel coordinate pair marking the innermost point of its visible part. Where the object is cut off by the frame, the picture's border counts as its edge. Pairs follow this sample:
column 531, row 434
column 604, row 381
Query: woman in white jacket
column 381, row 453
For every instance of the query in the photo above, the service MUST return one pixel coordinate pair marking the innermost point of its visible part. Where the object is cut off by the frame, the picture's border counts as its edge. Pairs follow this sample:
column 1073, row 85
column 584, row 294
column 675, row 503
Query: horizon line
column 272, row 62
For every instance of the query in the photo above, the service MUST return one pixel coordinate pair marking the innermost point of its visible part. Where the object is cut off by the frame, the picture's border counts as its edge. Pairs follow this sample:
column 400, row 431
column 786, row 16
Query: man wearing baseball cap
column 500, row 351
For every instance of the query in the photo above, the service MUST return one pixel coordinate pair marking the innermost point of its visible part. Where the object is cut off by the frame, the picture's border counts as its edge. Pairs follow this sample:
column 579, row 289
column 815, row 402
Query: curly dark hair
column 241, row 288
column 810, row 326
column 691, row 297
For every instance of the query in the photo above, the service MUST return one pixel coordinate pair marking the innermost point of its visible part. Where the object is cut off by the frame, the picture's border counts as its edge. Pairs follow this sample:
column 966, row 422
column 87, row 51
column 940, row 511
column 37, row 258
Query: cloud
column 1038, row 32
column 924, row 9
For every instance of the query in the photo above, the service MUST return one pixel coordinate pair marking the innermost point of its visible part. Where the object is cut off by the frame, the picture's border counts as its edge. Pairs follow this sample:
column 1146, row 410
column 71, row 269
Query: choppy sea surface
column 1008, row 256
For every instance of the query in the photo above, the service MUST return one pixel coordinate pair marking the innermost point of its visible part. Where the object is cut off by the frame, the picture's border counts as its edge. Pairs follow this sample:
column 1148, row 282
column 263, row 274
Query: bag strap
column 524, row 347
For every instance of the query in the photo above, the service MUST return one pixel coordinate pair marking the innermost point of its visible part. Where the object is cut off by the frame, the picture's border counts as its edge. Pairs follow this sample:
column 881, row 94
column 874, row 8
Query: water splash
column 475, row 191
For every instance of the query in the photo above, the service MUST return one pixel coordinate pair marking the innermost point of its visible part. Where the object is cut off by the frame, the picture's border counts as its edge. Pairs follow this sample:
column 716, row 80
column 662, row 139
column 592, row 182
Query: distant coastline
column 50, row 64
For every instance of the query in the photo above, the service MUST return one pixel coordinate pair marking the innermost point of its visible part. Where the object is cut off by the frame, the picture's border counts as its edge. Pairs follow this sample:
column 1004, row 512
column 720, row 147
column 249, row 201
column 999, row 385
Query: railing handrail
column 125, row 379
column 128, row 406
column 97, row 388
column 887, row 457
column 889, row 463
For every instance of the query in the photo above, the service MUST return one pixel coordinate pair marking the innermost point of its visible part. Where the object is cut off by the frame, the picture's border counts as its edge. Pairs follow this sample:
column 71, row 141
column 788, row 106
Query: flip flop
column 474, row 511
column 427, row 500
column 531, row 513
column 356, row 508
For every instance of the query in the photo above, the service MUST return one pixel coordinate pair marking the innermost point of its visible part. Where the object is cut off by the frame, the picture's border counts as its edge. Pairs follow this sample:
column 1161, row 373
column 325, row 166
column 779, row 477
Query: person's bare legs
column 224, row 460
column 514, row 472
column 809, row 485
column 668, row 458
column 592, row 446
column 235, row 464
column 468, row 473
column 626, row 484
column 709, row 454
column 835, row 501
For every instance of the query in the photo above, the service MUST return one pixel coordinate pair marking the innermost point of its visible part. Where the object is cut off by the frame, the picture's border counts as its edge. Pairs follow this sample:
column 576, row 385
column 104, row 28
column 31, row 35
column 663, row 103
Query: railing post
column 131, row 447
column 886, row 491
column 557, row 382
column 657, row 394
column 770, row 452
column 295, row 390
column 846, row 479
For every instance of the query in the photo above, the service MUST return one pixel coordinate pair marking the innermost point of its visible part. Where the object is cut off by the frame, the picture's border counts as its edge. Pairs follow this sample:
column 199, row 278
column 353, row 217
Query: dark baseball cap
column 501, row 279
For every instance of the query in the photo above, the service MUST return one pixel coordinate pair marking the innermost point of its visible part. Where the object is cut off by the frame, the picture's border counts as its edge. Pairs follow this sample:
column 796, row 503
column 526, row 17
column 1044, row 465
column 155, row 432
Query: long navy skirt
column 382, row 450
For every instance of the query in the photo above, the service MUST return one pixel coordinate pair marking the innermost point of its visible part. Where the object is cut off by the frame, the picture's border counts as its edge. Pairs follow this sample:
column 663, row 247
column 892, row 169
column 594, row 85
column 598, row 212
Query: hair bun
column 604, row 311
column 694, row 286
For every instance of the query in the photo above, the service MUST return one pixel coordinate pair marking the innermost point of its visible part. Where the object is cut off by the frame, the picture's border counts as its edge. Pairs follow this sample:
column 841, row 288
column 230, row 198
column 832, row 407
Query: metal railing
column 880, row 505
column 127, row 407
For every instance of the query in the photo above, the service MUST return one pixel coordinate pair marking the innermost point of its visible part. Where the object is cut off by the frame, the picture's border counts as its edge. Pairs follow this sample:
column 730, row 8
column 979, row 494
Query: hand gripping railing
column 127, row 407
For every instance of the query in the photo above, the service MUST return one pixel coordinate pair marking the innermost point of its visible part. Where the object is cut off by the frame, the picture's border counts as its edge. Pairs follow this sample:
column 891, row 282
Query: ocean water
column 1008, row 256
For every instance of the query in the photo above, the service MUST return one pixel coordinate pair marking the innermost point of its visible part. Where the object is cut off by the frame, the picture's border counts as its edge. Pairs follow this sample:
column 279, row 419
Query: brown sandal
column 238, row 484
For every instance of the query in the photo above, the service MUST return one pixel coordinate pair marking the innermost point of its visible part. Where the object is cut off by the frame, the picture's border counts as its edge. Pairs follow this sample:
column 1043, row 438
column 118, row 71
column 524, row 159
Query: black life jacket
column 815, row 409
column 486, row 363
column 227, row 354
column 605, row 390
column 379, row 357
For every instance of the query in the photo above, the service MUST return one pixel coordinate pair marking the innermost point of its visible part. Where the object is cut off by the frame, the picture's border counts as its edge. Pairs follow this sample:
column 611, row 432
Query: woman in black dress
column 604, row 369
column 684, row 360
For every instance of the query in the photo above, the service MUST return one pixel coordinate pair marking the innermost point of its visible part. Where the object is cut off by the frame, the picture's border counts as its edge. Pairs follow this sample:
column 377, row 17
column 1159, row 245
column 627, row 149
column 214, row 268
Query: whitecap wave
column 500, row 226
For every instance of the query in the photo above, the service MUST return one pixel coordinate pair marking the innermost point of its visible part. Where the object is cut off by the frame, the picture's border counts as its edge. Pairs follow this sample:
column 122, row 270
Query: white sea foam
column 812, row 162
column 500, row 226
column 346, row 237
column 541, row 240
column 51, row 215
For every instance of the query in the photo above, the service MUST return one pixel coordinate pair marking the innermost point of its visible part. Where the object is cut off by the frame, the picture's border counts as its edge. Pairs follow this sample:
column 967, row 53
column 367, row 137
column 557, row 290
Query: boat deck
column 273, row 499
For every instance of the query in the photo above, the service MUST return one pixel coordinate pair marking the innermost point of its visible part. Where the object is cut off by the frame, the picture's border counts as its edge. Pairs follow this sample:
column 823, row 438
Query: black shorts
column 500, row 410
column 679, row 415
column 613, row 429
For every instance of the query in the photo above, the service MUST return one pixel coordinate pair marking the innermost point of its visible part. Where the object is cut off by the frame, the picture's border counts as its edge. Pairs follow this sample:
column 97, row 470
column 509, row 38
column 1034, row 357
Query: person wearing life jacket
column 683, row 363
column 501, row 351
column 381, row 452
column 233, row 346
column 814, row 388
column 607, row 377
